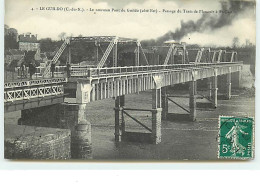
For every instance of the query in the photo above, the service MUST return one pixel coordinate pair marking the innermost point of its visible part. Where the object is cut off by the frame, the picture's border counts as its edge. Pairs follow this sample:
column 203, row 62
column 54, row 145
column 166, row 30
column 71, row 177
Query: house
column 13, row 54
column 28, row 42
column 42, row 59
column 30, row 57
column 14, row 58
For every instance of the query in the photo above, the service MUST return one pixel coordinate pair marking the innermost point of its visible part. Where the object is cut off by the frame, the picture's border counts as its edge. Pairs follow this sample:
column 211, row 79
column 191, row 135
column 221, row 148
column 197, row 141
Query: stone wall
column 28, row 142
column 63, row 116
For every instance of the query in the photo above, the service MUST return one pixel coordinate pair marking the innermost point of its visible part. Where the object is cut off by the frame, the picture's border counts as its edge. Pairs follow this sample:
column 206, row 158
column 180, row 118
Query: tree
column 47, row 45
column 10, row 38
column 62, row 36
column 10, row 41
column 235, row 42
column 29, row 57
column 248, row 43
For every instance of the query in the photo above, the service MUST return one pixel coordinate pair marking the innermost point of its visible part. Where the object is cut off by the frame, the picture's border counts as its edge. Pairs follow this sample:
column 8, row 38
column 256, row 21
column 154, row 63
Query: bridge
column 27, row 94
column 100, row 83
column 105, row 80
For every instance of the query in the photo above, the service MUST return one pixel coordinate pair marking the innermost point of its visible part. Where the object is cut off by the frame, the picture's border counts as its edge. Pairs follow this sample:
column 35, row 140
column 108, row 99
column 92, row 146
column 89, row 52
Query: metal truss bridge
column 96, row 84
column 104, row 81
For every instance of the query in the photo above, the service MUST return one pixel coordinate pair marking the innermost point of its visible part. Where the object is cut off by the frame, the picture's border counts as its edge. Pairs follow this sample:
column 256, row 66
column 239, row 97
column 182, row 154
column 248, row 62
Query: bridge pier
column 156, row 115
column 192, row 102
column 236, row 79
column 228, row 86
column 165, row 106
column 215, row 91
column 73, row 116
column 154, row 135
column 81, row 145
column 119, row 104
column 209, row 84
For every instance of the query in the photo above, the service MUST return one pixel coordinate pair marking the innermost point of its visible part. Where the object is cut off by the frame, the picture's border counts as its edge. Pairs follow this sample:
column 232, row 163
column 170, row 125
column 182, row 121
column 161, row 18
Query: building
column 28, row 42
column 13, row 54
column 41, row 58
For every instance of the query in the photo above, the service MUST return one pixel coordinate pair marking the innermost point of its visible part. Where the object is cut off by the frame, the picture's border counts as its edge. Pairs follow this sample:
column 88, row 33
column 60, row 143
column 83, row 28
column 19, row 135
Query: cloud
column 133, row 25
column 242, row 26
column 225, row 35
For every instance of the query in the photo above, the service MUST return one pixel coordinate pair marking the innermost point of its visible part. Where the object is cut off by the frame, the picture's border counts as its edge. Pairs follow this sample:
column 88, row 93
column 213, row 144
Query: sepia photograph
column 129, row 80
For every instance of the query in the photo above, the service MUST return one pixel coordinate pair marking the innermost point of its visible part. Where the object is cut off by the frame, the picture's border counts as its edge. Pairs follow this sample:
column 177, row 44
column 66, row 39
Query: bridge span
column 92, row 84
column 100, row 83
column 28, row 94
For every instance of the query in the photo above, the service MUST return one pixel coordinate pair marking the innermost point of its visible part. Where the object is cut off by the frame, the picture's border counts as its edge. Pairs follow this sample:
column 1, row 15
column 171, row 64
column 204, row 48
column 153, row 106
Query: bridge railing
column 28, row 93
column 98, row 72
column 19, row 74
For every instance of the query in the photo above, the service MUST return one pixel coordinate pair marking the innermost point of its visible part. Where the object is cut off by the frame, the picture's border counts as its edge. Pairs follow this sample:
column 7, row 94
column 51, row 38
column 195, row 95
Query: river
column 181, row 140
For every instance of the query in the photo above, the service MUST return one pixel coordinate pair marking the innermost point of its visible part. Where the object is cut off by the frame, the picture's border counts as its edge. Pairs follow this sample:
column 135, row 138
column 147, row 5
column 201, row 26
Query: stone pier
column 209, row 86
column 81, row 145
column 214, row 91
column 156, row 115
column 119, row 104
column 192, row 102
column 68, row 116
column 228, row 86
column 73, row 116
column 236, row 79
column 165, row 107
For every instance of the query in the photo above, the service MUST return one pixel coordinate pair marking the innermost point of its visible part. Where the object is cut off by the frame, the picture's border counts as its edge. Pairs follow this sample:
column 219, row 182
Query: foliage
column 10, row 41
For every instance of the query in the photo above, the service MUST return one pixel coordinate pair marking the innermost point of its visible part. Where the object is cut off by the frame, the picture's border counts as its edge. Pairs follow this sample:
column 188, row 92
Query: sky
column 142, row 26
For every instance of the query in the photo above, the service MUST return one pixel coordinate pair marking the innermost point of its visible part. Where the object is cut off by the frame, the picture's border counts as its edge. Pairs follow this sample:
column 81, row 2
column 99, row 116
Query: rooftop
column 14, row 52
column 28, row 38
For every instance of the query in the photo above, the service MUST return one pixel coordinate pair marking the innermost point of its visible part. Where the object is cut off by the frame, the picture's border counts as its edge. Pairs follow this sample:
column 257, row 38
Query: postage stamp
column 236, row 137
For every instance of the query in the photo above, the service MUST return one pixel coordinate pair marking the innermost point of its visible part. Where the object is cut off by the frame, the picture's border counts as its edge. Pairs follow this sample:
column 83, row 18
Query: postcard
column 147, row 80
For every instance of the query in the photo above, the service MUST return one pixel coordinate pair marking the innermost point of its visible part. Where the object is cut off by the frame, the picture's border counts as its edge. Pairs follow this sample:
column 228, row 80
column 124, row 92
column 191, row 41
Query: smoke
column 209, row 21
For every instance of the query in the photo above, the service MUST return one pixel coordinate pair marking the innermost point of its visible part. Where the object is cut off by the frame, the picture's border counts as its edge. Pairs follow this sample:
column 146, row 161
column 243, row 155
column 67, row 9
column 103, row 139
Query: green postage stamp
column 236, row 137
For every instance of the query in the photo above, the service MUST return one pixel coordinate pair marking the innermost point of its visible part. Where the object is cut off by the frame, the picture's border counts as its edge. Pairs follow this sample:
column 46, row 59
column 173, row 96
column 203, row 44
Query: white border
column 41, row 178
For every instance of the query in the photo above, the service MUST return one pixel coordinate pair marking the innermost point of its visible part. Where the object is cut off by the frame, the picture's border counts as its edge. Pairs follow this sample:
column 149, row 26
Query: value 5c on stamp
column 236, row 138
